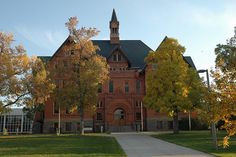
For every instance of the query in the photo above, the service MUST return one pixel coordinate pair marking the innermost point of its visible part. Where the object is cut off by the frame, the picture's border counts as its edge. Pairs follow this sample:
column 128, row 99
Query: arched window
column 119, row 114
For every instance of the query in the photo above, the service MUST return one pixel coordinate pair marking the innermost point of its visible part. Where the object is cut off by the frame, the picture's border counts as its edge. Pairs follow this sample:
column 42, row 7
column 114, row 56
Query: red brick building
column 120, row 105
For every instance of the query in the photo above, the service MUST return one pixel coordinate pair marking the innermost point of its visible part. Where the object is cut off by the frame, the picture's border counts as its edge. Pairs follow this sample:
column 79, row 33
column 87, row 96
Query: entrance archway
column 119, row 117
column 119, row 114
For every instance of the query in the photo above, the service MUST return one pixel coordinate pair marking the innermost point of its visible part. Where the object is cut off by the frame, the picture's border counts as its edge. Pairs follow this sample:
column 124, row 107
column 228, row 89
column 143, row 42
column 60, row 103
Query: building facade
column 120, row 106
column 15, row 121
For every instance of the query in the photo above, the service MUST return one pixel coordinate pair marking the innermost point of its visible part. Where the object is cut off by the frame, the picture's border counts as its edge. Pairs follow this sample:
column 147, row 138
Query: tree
column 171, row 85
column 86, row 70
column 224, row 86
column 39, row 86
column 23, row 79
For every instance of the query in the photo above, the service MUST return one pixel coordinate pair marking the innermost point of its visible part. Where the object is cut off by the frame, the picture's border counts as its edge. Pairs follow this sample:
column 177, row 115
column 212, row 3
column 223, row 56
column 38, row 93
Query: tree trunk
column 58, row 132
column 32, row 123
column 31, row 126
column 81, row 121
column 214, row 137
column 176, row 122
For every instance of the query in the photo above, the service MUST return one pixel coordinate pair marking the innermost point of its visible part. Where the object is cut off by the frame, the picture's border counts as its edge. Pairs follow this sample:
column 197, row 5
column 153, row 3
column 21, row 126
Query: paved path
column 140, row 145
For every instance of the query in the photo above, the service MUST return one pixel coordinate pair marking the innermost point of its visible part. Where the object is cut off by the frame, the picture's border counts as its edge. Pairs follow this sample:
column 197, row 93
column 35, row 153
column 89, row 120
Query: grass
column 200, row 140
column 64, row 146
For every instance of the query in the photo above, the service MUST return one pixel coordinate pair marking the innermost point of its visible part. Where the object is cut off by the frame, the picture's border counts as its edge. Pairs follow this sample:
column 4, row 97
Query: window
column 126, row 87
column 111, row 87
column 57, row 82
column 63, row 83
column 119, row 114
column 99, row 104
column 119, row 57
column 68, row 110
column 55, row 108
column 138, row 86
column 72, row 52
column 68, row 126
column 159, row 124
column 138, row 116
column 99, row 116
column 65, row 64
column 138, row 103
column 99, row 88
column 114, row 30
column 170, row 124
column 13, row 123
column 114, row 57
column 55, row 126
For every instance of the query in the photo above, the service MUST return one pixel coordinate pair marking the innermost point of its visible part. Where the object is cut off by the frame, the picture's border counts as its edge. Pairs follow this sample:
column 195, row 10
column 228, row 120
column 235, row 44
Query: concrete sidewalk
column 140, row 145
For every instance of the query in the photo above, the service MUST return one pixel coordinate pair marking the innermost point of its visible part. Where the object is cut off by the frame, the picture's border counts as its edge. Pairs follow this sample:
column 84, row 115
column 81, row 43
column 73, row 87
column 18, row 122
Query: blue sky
column 198, row 25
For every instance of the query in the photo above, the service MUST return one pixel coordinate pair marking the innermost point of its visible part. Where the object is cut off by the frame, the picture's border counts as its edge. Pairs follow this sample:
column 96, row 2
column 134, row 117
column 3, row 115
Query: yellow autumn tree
column 224, row 78
column 86, row 70
column 171, row 85
column 23, row 79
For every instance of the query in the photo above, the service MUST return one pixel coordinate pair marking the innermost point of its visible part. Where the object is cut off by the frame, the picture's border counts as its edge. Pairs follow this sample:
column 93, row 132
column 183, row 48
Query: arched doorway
column 119, row 117
column 119, row 114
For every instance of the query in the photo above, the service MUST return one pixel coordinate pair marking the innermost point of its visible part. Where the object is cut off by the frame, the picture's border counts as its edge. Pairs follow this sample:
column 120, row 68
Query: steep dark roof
column 45, row 59
column 134, row 50
column 189, row 60
column 113, row 17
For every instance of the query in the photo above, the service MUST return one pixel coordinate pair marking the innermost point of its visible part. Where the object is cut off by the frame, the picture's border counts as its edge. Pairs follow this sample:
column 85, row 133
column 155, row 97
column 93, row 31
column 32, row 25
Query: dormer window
column 70, row 53
column 119, row 57
column 116, row 57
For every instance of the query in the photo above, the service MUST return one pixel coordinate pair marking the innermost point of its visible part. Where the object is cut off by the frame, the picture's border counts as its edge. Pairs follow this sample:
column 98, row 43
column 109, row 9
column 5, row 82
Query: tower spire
column 113, row 17
column 114, row 29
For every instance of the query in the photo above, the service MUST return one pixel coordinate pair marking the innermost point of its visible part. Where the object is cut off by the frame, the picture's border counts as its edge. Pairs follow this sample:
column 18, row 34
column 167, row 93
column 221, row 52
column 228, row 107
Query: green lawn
column 64, row 145
column 200, row 140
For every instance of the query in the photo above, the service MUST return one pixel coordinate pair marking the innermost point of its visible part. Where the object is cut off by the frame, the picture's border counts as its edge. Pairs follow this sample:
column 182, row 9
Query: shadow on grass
column 65, row 145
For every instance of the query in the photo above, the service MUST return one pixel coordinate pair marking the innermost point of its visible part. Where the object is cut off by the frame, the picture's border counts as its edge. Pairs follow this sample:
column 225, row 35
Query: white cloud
column 46, row 39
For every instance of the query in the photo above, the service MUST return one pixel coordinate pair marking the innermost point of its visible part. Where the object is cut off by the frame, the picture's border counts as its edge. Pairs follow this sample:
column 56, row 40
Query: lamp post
column 213, row 127
column 141, row 116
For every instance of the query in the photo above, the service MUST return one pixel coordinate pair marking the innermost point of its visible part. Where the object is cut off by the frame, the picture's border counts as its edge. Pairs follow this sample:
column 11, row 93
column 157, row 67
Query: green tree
column 86, row 70
column 23, row 79
column 171, row 85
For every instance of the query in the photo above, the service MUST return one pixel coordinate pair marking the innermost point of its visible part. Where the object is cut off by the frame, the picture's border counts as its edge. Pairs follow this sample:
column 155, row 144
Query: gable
column 134, row 50
column 117, row 55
